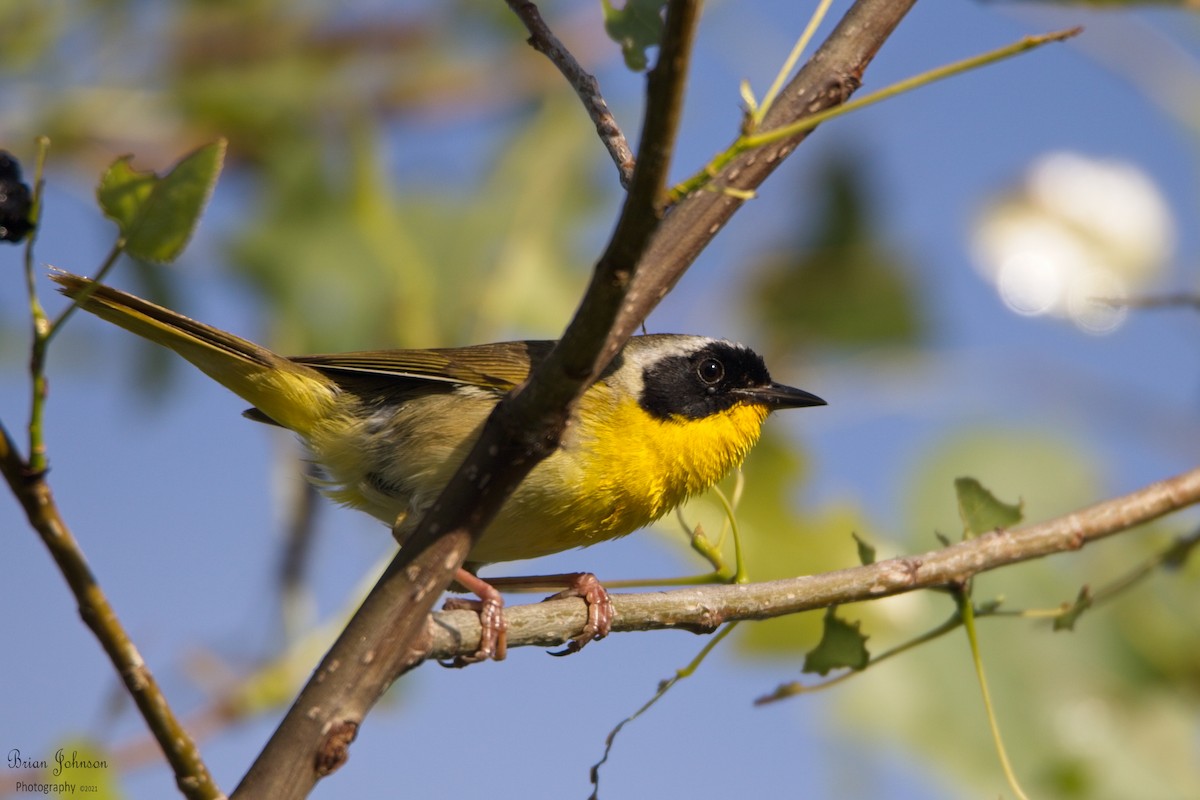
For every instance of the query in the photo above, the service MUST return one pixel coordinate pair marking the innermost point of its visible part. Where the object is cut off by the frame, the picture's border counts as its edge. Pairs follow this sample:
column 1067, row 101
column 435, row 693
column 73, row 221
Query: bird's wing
column 499, row 366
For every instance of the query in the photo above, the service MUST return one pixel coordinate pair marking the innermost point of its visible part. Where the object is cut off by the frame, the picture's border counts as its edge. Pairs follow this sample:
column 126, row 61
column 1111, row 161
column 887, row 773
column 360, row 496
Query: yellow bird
column 668, row 419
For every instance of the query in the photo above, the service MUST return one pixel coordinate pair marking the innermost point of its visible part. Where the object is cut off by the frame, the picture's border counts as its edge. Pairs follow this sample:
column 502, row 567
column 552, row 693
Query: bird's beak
column 776, row 395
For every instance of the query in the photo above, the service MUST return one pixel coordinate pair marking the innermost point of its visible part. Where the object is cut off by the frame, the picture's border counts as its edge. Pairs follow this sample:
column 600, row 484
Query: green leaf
column 123, row 192
column 837, row 279
column 637, row 27
column 981, row 511
column 156, row 215
column 866, row 551
column 1052, row 475
column 842, row 645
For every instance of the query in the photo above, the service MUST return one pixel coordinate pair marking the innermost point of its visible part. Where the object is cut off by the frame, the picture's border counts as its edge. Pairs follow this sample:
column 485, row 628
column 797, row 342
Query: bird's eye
column 710, row 371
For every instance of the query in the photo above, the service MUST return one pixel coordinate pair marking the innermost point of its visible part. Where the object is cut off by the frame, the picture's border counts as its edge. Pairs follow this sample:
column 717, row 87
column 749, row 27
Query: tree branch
column 704, row 608
column 33, row 493
column 828, row 79
column 389, row 634
column 542, row 39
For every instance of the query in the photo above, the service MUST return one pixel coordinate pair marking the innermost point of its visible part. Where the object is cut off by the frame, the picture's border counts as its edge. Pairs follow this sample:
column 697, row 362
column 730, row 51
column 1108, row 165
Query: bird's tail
column 290, row 394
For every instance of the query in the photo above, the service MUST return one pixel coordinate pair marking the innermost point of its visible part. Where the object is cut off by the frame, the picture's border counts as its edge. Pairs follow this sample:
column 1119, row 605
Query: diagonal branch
column 829, row 78
column 388, row 635
column 30, row 488
column 645, row 258
column 703, row 608
column 542, row 39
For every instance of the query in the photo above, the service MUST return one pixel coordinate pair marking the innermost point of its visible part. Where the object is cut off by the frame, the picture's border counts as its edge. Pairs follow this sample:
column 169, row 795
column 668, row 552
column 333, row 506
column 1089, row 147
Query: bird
column 666, row 420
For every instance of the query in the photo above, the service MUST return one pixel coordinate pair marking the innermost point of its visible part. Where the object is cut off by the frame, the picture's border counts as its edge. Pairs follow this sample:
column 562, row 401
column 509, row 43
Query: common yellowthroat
column 668, row 419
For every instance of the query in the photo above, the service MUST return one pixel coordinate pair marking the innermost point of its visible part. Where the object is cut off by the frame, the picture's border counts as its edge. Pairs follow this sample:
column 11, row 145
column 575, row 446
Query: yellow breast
column 644, row 466
column 618, row 469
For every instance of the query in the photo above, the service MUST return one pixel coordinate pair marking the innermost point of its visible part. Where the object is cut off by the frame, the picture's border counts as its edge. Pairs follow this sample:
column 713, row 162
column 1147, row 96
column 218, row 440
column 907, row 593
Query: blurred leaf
column 1069, row 778
column 866, row 551
column 85, row 765
column 837, row 282
column 842, row 646
column 528, row 212
column 333, row 255
column 157, row 215
column 637, row 27
column 28, row 31
column 346, row 260
column 270, row 73
column 1177, row 554
column 979, row 509
column 274, row 685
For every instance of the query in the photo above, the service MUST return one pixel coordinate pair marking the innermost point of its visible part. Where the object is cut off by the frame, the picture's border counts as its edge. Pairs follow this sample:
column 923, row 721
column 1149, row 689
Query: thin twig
column 750, row 141
column 663, row 687
column 793, row 688
column 110, row 261
column 26, row 478
column 542, row 39
column 924, row 79
column 967, row 612
column 33, row 492
column 763, row 106
column 1177, row 300
column 704, row 608
column 826, row 80
column 40, row 328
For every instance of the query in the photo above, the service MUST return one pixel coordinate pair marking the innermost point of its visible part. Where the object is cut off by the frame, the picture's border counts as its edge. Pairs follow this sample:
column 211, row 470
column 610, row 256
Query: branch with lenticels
column 703, row 608
column 645, row 257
